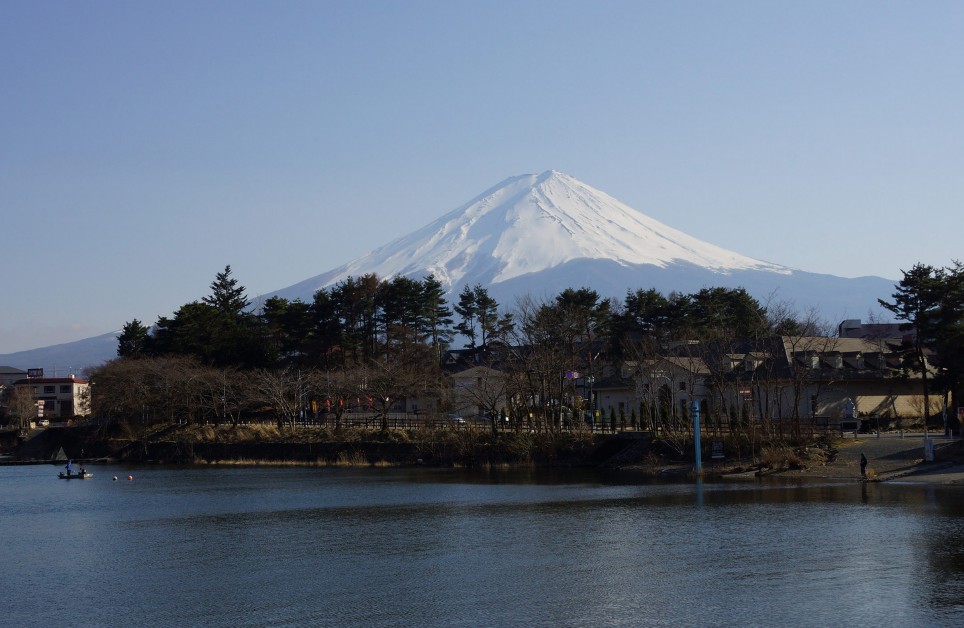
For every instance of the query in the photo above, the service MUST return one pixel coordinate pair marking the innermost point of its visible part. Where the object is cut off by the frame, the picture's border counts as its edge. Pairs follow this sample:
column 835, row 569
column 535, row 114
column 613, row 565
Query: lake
column 431, row 547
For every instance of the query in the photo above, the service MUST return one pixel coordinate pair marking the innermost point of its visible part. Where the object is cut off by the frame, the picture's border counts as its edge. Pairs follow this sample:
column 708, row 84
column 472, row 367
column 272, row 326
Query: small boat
column 75, row 476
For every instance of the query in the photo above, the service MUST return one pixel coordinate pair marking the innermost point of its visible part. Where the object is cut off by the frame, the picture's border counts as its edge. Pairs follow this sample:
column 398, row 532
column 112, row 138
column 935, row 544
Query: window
column 48, row 390
column 65, row 389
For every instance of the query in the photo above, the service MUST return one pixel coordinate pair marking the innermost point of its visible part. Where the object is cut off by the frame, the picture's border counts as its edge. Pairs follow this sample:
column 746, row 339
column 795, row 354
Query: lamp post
column 944, row 415
column 657, row 396
column 696, row 437
column 592, row 403
column 944, row 399
column 592, row 406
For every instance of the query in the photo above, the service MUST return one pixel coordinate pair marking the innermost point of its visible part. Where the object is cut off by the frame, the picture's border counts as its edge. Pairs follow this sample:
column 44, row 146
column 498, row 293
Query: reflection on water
column 267, row 547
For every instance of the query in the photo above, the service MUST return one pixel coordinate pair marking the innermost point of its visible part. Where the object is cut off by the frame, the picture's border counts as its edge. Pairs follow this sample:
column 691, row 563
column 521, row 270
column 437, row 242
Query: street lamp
column 944, row 399
column 657, row 396
column 590, row 379
column 696, row 437
column 592, row 414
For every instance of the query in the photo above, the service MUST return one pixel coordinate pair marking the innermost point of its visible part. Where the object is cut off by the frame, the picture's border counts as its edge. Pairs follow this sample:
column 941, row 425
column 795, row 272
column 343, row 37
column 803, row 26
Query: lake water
column 425, row 547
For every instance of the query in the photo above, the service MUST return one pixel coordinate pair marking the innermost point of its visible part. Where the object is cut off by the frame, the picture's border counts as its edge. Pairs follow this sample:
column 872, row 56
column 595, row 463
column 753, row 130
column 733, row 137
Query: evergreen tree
column 216, row 330
column 487, row 313
column 286, row 326
column 949, row 337
column 916, row 302
column 468, row 313
column 727, row 314
column 436, row 316
column 132, row 342
column 324, row 340
column 401, row 311
column 226, row 295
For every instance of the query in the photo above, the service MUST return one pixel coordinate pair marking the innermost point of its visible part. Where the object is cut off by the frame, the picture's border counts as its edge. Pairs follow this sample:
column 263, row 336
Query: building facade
column 60, row 397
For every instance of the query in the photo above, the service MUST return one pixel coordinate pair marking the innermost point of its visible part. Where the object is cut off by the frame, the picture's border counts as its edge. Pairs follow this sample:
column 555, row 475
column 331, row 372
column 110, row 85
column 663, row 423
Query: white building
column 62, row 397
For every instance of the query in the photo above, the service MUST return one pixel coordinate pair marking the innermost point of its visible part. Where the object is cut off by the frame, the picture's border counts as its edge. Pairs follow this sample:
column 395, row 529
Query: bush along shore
column 266, row 445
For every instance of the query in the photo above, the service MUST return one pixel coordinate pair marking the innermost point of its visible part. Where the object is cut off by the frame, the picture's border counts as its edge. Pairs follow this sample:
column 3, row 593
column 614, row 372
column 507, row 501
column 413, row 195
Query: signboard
column 716, row 450
column 35, row 372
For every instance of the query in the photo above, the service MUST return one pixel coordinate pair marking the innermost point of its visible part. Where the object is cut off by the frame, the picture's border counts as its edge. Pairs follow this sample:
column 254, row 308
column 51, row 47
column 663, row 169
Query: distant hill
column 66, row 358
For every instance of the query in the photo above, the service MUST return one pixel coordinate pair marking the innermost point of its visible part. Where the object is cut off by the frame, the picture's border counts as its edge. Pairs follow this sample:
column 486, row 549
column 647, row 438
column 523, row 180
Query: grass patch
column 782, row 458
column 255, row 462
column 351, row 459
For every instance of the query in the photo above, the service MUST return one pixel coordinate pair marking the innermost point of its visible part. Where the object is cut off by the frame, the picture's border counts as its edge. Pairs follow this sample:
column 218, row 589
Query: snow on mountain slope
column 528, row 224
column 537, row 235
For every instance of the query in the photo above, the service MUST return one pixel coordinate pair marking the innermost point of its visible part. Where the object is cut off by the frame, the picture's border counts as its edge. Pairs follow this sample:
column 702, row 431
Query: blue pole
column 696, row 437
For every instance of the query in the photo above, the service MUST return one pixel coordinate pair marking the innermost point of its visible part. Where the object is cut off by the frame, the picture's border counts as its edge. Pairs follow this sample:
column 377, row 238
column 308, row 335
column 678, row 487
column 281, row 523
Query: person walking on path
column 863, row 466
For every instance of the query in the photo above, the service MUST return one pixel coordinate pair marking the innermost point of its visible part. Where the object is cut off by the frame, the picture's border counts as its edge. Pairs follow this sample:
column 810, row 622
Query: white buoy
column 115, row 478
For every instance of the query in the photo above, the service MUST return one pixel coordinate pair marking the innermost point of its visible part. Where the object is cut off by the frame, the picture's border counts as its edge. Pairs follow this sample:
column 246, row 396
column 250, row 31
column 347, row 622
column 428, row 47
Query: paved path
column 892, row 457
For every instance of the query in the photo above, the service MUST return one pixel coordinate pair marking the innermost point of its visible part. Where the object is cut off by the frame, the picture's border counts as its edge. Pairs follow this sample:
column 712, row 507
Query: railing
column 434, row 421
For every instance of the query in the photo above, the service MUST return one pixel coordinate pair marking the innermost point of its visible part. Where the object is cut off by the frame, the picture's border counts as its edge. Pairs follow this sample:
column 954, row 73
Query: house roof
column 823, row 344
column 49, row 380
column 688, row 364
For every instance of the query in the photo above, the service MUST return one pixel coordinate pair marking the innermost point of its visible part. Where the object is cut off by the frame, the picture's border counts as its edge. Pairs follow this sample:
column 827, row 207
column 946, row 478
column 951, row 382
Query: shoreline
column 892, row 458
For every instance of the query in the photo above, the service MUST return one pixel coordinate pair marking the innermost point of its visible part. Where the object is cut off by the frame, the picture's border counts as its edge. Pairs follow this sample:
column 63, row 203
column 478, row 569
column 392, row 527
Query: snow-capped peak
column 531, row 223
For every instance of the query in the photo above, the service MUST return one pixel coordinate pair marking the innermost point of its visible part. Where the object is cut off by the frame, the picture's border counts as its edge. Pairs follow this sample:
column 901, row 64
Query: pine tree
column 467, row 311
column 132, row 342
column 437, row 316
column 226, row 295
column 916, row 302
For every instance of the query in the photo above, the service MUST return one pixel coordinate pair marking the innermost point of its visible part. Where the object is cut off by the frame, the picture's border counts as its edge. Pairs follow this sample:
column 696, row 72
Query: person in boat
column 68, row 467
column 83, row 471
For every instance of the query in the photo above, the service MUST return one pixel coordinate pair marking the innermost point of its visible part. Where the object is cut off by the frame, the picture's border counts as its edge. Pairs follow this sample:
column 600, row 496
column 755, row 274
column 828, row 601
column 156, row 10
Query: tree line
column 372, row 342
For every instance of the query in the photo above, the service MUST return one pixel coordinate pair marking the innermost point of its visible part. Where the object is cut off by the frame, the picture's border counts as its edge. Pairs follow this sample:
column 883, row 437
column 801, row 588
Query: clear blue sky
column 145, row 145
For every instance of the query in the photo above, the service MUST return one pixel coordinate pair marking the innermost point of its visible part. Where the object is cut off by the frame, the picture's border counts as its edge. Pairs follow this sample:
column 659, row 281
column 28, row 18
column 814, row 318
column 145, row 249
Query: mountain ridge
column 538, row 234
column 528, row 224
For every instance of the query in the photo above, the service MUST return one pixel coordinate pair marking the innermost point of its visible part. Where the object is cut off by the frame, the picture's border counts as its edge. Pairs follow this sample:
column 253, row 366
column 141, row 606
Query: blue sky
column 145, row 145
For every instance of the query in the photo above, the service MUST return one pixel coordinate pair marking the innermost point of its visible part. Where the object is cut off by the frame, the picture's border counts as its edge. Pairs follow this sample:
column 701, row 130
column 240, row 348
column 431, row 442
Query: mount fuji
column 539, row 234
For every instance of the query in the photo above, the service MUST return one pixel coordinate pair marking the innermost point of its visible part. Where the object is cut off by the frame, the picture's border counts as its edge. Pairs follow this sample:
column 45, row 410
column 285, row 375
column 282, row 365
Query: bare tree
column 543, row 360
column 385, row 383
column 488, row 385
column 23, row 406
column 287, row 391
